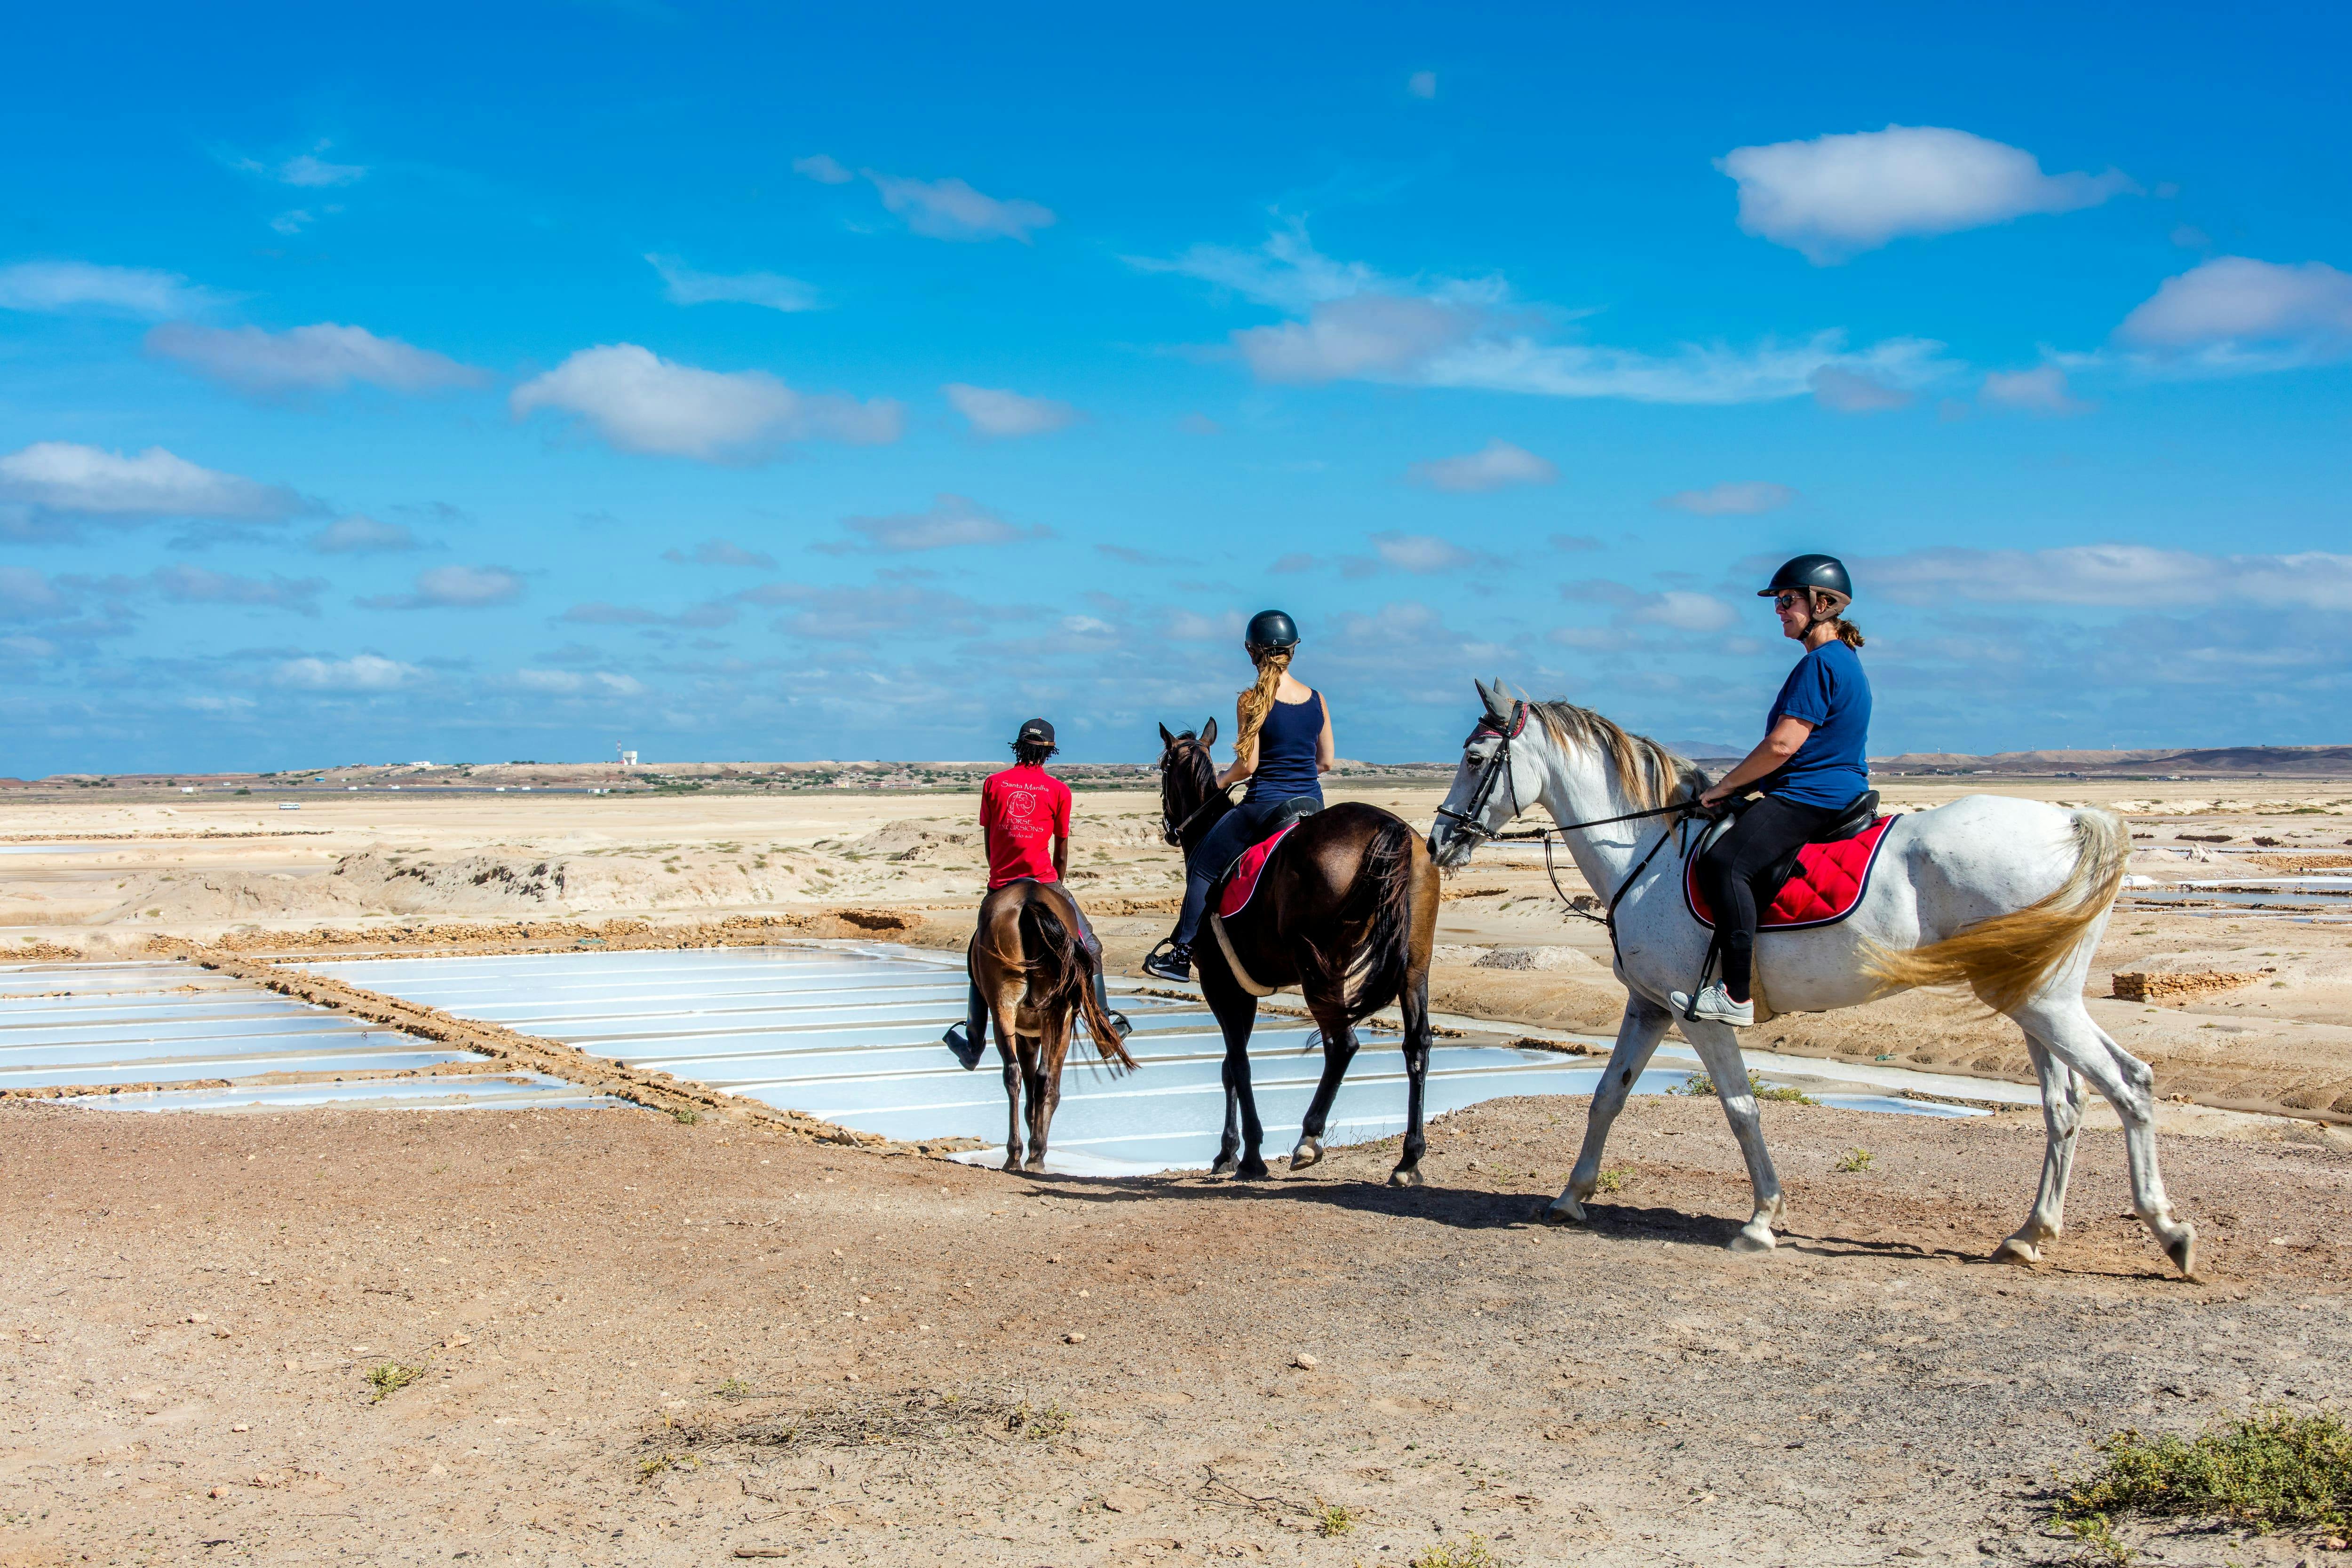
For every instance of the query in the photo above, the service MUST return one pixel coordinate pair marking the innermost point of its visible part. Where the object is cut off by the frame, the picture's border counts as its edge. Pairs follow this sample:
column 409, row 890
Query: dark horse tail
column 1062, row 974
column 1380, row 903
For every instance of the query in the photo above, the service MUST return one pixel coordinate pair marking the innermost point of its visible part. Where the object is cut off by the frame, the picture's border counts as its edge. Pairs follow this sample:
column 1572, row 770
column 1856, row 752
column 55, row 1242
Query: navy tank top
column 1286, row 751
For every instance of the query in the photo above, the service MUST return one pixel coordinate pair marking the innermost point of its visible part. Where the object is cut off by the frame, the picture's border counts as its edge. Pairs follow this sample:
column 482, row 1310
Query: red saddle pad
column 1827, row 884
column 1243, row 882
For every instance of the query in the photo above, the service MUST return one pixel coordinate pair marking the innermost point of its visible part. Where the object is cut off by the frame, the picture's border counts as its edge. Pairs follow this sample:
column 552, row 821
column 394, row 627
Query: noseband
column 1498, row 767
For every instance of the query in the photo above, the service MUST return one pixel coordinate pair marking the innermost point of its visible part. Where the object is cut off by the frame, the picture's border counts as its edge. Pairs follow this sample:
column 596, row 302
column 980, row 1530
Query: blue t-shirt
column 1827, row 690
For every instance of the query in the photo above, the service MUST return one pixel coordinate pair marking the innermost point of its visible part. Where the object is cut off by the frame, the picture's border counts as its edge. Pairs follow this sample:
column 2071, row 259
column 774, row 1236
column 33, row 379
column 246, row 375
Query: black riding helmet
column 1825, row 572
column 1272, row 629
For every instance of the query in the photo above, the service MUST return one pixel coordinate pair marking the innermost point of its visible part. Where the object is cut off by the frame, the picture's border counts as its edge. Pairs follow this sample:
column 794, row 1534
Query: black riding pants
column 1730, row 869
column 975, row 1006
column 1222, row 845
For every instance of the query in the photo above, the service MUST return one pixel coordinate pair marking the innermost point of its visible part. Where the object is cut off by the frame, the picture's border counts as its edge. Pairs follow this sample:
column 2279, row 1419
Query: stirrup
column 1179, row 956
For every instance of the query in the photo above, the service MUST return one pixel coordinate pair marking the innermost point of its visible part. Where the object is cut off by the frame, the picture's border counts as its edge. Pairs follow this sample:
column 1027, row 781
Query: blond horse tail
column 2009, row 957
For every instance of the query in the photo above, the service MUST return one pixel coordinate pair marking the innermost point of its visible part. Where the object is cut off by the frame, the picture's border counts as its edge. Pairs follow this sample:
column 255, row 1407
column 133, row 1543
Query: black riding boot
column 1102, row 999
column 967, row 1039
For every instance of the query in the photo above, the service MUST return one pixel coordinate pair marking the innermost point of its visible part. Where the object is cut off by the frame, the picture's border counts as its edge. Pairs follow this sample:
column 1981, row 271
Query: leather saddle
column 1289, row 814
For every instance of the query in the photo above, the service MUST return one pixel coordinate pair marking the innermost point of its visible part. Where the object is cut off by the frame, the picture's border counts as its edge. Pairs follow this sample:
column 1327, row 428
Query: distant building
column 629, row 759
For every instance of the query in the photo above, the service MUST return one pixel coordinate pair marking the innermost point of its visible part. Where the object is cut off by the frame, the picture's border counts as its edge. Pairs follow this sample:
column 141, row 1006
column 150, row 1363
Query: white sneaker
column 1714, row 1007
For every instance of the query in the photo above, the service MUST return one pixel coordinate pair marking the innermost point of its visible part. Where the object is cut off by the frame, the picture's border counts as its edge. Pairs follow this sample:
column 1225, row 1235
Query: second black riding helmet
column 1272, row 629
column 1822, row 572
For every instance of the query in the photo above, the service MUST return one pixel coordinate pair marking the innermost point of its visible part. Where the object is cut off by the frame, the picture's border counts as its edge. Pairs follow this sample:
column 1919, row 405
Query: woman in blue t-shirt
column 1283, row 745
column 1812, row 766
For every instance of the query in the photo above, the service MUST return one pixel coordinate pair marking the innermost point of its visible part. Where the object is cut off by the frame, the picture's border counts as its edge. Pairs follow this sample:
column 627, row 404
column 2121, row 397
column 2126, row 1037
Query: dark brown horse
column 1038, row 979
column 1346, row 910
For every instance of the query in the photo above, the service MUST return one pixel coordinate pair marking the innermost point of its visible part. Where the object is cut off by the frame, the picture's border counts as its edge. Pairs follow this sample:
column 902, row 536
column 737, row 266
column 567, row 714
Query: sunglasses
column 1787, row 600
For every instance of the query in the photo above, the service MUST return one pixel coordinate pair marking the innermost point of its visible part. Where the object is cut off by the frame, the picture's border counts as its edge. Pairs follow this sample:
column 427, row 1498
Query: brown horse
column 1038, row 979
column 1345, row 909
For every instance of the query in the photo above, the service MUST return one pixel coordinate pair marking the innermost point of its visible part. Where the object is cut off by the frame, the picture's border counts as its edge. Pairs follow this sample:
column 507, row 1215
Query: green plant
column 653, row 1465
column 1037, row 1425
column 687, row 1116
column 1333, row 1519
column 1470, row 1551
column 1700, row 1083
column 2094, row 1542
column 734, row 1388
column 1854, row 1160
column 390, row 1378
column 2275, row 1470
column 1611, row 1180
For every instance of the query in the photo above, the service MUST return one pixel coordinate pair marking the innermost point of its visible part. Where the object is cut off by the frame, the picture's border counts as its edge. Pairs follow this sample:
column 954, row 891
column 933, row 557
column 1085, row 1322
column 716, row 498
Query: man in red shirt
column 1025, row 814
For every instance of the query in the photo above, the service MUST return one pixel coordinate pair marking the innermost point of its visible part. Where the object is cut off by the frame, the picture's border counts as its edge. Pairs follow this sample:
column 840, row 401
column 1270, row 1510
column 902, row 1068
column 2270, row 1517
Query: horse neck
column 1579, row 788
column 1215, row 808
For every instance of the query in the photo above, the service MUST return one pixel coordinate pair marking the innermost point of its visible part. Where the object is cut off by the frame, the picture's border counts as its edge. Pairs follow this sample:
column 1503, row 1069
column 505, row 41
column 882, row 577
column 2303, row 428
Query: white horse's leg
column 2065, row 1025
column 2062, row 1115
column 1638, row 1033
column 1718, row 1046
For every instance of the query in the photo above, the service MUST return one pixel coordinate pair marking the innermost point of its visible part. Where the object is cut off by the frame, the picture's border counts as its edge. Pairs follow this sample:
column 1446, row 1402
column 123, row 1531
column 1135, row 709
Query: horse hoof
column 1033, row 1163
column 1752, row 1238
column 1564, row 1211
column 1405, row 1175
column 2182, row 1250
column 1221, row 1166
column 1309, row 1152
column 1253, row 1169
column 2016, row 1250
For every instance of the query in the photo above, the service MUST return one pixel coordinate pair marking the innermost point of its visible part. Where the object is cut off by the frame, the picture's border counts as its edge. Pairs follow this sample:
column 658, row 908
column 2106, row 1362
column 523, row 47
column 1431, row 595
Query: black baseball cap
column 1036, row 730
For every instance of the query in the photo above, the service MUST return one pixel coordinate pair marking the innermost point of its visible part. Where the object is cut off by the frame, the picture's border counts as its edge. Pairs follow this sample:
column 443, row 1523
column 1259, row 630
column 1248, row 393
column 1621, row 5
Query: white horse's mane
column 1651, row 775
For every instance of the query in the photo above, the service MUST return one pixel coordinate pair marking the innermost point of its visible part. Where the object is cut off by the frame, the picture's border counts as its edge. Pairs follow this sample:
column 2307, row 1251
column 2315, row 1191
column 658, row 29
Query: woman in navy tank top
column 1283, row 745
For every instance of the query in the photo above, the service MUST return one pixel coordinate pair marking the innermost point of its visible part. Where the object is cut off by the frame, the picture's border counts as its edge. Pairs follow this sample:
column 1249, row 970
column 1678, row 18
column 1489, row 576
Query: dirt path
column 616, row 1317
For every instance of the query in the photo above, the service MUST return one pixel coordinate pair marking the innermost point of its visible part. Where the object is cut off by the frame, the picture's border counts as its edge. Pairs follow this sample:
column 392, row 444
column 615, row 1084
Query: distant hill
column 2227, row 761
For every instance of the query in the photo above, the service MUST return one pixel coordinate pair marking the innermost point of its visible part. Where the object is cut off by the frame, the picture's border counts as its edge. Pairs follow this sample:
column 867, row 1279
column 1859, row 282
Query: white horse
column 2006, row 896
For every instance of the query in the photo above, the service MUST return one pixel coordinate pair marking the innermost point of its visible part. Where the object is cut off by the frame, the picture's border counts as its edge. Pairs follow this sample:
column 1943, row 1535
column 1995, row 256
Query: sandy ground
column 640, row 1342
column 216, row 869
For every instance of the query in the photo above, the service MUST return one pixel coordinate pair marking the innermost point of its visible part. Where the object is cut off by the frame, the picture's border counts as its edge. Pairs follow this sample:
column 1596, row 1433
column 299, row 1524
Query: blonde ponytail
column 1258, row 701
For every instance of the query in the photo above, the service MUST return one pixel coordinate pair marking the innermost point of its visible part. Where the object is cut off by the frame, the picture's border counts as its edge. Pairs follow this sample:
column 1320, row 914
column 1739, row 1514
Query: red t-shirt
column 1022, row 810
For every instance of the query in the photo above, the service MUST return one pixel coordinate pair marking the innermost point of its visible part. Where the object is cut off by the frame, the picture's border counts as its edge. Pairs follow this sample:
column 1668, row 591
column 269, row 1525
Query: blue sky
column 514, row 380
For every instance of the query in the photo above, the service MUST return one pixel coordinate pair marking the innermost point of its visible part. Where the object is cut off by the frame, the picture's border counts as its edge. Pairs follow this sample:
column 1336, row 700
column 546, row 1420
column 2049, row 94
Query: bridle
column 1498, row 767
column 1174, row 834
column 1499, row 764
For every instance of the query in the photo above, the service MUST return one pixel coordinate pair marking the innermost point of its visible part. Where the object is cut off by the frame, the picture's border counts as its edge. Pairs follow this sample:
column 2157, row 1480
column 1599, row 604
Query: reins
column 1498, row 765
column 1175, row 835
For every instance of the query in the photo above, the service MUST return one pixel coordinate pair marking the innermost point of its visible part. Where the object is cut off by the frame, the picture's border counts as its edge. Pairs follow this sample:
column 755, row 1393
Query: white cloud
column 951, row 520
column 999, row 413
column 1358, row 324
column 304, row 169
column 566, row 683
column 1421, row 84
column 1685, row 612
column 454, row 588
column 321, row 358
column 951, row 209
column 1847, row 393
column 1190, row 626
column 2233, row 302
column 61, row 476
column 184, row 584
column 1420, row 553
column 823, row 169
column 721, row 553
column 1739, row 498
column 55, row 286
column 361, row 535
column 639, row 402
column 26, row 595
column 1835, row 195
column 1497, row 465
column 844, row 613
column 1369, row 336
column 360, row 673
column 1087, row 626
column 773, row 290
column 2040, row 391
column 292, row 221
column 2115, row 575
